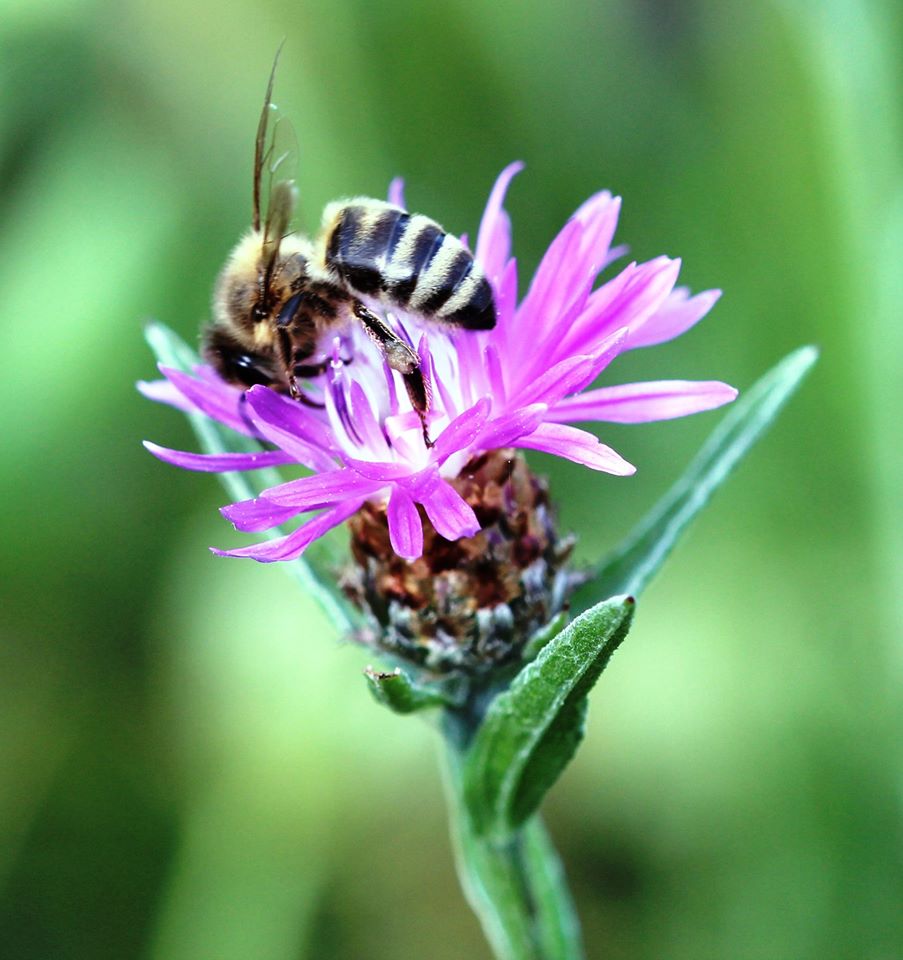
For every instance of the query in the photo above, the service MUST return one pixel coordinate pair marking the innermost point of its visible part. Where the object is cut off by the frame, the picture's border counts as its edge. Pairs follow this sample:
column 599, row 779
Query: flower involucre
column 520, row 385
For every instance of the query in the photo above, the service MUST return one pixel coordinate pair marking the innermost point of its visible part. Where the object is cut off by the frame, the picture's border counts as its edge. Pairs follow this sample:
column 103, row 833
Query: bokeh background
column 190, row 765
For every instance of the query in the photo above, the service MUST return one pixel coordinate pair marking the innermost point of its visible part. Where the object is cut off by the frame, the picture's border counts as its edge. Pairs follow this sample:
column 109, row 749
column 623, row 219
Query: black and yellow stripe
column 409, row 261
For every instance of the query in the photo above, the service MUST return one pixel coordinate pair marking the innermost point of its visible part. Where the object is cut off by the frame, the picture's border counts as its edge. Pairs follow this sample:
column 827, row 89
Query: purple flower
column 522, row 384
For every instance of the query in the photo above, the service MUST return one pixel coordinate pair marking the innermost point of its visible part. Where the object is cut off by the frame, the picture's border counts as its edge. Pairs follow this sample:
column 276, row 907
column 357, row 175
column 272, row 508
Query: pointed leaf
column 316, row 570
column 397, row 691
column 544, row 635
column 531, row 730
column 633, row 564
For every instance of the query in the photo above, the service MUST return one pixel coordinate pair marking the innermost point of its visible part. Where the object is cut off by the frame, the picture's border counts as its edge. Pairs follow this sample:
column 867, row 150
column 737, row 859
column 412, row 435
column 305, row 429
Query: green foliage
column 397, row 691
column 531, row 730
column 740, row 803
column 515, row 884
column 633, row 564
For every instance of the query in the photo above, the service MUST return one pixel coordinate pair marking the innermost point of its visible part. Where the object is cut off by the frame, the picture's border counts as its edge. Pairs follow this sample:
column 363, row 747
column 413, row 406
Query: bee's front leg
column 399, row 356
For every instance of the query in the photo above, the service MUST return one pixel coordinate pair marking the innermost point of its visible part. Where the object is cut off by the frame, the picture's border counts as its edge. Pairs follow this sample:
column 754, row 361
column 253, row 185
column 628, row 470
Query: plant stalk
column 515, row 885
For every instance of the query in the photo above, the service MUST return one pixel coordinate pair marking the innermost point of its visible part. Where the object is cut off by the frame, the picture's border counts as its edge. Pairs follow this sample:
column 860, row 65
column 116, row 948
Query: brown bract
column 468, row 604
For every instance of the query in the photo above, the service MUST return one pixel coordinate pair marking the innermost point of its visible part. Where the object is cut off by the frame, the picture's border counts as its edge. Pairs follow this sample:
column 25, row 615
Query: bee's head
column 236, row 362
column 253, row 295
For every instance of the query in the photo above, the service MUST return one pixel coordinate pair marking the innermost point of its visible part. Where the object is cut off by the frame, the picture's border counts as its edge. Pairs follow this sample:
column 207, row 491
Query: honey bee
column 280, row 293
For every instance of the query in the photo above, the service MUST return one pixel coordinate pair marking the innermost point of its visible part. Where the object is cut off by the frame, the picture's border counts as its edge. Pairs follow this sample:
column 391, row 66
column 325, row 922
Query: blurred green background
column 190, row 765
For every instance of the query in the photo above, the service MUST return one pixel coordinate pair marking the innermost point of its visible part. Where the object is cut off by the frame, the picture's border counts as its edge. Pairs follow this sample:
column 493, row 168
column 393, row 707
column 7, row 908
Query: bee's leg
column 285, row 355
column 399, row 356
column 419, row 394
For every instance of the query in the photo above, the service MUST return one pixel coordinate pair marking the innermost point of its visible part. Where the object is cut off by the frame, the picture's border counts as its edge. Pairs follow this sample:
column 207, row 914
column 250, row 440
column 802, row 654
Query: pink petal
column 610, row 348
column 385, row 472
column 462, row 431
column 675, row 316
column 216, row 399
column 506, row 304
column 365, row 420
column 577, row 445
column 252, row 516
column 495, row 372
column 572, row 262
column 219, row 462
column 290, row 426
column 507, row 429
column 448, row 511
column 644, row 402
column 292, row 546
column 575, row 372
column 557, row 381
column 162, row 391
column 494, row 238
column 321, row 490
column 405, row 528
column 550, row 285
column 396, row 192
column 599, row 215
column 627, row 300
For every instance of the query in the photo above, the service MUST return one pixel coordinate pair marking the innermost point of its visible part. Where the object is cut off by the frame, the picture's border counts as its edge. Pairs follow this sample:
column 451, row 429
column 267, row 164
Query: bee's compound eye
column 247, row 371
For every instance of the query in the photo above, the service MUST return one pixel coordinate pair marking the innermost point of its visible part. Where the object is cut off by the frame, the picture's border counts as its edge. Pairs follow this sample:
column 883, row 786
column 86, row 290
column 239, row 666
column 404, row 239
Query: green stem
column 515, row 886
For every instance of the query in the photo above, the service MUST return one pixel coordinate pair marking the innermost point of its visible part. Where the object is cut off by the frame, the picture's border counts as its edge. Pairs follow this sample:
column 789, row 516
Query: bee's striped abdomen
column 407, row 261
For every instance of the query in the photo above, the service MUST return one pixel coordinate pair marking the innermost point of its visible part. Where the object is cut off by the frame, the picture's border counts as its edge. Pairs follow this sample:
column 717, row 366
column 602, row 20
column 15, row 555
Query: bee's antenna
column 260, row 143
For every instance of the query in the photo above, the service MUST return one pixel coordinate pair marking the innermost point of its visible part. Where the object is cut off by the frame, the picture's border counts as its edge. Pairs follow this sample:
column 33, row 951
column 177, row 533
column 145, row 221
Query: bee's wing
column 275, row 152
column 275, row 161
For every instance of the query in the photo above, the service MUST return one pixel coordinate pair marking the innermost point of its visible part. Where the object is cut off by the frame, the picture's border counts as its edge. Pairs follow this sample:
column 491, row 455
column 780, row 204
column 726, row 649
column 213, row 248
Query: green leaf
column 316, row 570
column 531, row 730
column 397, row 691
column 633, row 564
column 544, row 635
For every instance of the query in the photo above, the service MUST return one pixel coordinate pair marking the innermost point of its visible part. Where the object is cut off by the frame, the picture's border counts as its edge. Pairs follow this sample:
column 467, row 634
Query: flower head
column 521, row 385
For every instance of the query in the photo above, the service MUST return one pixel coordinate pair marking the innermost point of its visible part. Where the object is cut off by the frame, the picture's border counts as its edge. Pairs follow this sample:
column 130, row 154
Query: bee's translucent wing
column 275, row 162
column 275, row 151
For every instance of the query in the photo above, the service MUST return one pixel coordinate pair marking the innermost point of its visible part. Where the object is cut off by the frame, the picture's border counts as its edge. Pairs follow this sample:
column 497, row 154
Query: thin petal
column 644, row 402
column 577, row 445
column 162, row 391
column 675, row 316
column 291, row 427
column 609, row 349
column 507, row 429
column 627, row 300
column 214, row 398
column 462, row 431
column 252, row 516
column 396, row 192
column 292, row 546
column 405, row 528
column 550, row 284
column 573, row 373
column 365, row 420
column 556, row 381
column 322, row 490
column 494, row 237
column 384, row 472
column 599, row 216
column 506, row 302
column 449, row 512
column 571, row 264
column 219, row 462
